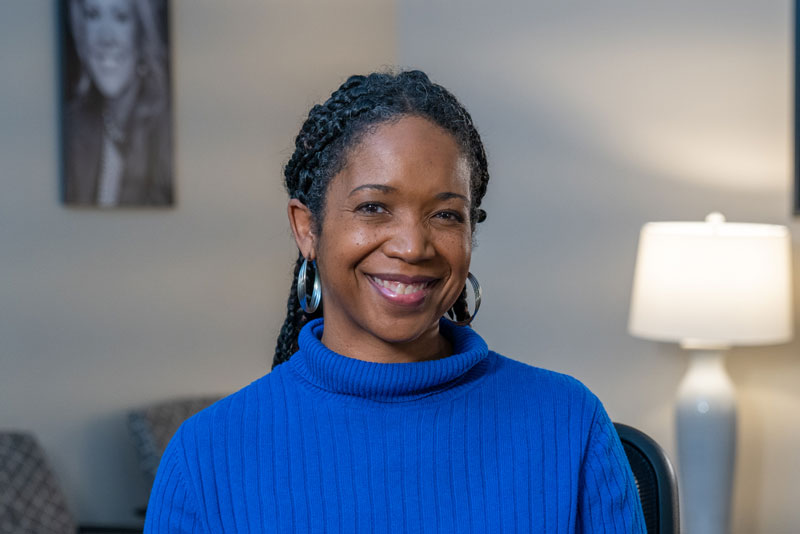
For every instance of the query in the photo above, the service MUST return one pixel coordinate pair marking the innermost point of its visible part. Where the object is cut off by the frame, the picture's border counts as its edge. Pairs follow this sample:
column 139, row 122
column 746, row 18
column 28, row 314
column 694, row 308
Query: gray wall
column 599, row 117
column 104, row 311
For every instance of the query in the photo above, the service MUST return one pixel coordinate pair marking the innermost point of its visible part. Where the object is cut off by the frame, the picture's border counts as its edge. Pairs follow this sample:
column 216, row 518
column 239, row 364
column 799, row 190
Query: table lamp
column 709, row 286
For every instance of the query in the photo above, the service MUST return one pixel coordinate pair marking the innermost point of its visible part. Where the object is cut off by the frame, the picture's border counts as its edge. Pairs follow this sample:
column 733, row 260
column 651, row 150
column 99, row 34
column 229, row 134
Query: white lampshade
column 713, row 282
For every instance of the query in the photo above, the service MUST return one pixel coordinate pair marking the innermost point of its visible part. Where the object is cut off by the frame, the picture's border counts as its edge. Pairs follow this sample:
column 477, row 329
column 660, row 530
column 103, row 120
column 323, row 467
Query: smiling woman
column 380, row 413
column 394, row 246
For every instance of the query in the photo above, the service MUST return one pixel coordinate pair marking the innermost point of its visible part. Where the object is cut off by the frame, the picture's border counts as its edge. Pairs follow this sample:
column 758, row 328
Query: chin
column 112, row 82
column 400, row 331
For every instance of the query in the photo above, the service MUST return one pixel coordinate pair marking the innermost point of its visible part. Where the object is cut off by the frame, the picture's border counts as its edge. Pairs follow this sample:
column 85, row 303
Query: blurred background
column 597, row 118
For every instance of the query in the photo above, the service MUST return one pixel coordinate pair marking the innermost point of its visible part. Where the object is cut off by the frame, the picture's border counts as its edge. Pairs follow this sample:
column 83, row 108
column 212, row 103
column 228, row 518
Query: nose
column 105, row 33
column 410, row 241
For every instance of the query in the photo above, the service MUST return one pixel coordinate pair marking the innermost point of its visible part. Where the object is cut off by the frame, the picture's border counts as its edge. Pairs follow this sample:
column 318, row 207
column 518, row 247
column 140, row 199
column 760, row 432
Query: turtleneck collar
column 386, row 382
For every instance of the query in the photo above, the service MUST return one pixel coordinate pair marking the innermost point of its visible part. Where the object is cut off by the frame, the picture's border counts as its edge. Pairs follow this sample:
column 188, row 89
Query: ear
column 303, row 228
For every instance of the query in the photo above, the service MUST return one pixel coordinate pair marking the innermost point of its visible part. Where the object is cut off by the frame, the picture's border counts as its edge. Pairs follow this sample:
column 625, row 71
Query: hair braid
column 460, row 308
column 337, row 125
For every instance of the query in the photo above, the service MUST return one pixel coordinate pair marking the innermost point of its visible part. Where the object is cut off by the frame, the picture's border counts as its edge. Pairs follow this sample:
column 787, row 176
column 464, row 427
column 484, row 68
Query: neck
column 335, row 373
column 119, row 108
column 431, row 345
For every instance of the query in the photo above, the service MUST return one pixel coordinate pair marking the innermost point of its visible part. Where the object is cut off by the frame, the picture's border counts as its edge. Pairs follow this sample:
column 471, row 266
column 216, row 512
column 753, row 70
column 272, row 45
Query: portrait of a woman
column 117, row 125
column 385, row 411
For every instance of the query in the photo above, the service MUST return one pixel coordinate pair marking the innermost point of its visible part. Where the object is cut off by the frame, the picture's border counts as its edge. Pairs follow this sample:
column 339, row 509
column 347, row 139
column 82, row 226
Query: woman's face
column 396, row 241
column 110, row 27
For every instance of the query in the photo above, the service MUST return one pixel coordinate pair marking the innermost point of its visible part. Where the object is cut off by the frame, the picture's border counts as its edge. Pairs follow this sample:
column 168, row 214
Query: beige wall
column 104, row 311
column 599, row 117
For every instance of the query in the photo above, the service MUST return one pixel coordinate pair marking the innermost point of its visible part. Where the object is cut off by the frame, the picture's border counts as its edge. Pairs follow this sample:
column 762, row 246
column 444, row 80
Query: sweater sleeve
column 609, row 501
column 173, row 507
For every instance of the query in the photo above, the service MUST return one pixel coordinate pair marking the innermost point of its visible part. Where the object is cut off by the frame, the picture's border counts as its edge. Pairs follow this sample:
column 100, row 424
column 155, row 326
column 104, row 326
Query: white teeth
column 398, row 287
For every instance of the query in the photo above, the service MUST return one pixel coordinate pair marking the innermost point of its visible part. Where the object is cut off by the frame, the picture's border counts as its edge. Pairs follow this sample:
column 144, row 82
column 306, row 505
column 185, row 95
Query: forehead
column 410, row 153
column 124, row 5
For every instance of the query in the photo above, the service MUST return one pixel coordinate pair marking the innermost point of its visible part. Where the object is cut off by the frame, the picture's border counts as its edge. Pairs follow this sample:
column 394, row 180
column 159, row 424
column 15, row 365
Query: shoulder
column 204, row 442
column 232, row 413
column 543, row 384
column 82, row 113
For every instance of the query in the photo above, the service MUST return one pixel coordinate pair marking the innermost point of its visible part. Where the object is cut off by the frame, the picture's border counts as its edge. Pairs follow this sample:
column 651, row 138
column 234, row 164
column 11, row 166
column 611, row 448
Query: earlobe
column 302, row 222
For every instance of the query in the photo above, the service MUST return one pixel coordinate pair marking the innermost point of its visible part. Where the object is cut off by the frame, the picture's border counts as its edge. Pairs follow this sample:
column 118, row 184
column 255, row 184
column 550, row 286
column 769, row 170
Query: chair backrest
column 153, row 427
column 655, row 480
column 31, row 500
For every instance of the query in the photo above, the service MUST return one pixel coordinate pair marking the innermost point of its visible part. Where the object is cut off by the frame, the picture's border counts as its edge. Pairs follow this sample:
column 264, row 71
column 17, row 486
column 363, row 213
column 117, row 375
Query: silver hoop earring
column 316, row 293
column 476, row 288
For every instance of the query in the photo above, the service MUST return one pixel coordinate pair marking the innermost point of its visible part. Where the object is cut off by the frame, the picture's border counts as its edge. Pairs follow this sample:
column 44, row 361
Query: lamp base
column 706, row 429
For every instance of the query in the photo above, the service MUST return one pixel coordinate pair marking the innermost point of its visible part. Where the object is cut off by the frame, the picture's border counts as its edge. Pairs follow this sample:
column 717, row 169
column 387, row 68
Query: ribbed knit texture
column 471, row 443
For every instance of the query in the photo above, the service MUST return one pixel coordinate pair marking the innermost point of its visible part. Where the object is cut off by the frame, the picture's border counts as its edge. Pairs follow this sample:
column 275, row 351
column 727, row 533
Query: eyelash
column 370, row 208
column 452, row 215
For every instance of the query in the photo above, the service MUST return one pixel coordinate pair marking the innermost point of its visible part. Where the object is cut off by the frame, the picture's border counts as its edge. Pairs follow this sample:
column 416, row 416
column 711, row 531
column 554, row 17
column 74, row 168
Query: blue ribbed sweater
column 474, row 442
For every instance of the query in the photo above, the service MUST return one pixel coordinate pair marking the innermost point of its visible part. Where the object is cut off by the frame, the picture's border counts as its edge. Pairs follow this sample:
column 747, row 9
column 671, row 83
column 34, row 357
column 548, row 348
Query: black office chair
column 655, row 480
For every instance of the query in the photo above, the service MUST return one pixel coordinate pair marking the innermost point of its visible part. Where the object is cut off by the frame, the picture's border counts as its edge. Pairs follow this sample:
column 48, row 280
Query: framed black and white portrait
column 116, row 103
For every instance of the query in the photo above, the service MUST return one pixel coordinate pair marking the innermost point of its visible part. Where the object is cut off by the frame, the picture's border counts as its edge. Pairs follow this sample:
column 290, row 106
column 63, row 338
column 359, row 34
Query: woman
column 381, row 415
column 117, row 126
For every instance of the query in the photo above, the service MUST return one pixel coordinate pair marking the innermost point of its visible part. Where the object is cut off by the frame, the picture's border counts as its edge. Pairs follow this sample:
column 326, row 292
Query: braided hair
column 356, row 108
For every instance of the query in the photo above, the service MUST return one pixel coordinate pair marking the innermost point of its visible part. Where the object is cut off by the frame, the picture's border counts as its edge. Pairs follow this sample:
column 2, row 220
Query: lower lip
column 412, row 299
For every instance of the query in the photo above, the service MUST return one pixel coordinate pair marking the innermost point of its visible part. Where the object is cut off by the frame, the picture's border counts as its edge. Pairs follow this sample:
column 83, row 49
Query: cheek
column 459, row 251
column 365, row 241
column 127, row 34
column 125, row 39
column 342, row 246
column 91, row 30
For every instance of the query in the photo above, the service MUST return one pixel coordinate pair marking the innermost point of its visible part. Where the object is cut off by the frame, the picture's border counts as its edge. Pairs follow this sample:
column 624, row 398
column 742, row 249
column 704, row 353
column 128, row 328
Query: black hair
column 336, row 126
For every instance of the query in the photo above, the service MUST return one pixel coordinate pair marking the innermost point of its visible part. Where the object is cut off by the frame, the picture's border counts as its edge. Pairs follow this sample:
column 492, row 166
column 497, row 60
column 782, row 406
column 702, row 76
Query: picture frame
column 116, row 105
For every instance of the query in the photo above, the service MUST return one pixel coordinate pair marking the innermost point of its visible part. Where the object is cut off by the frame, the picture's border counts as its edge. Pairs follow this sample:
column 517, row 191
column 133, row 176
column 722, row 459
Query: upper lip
column 403, row 278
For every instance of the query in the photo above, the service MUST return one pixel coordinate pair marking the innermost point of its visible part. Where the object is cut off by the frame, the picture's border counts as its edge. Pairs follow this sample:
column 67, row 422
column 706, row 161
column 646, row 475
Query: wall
column 599, row 117
column 104, row 311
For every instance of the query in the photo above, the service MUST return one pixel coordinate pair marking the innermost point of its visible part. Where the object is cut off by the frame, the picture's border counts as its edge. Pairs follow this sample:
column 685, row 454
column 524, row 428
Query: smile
column 402, row 290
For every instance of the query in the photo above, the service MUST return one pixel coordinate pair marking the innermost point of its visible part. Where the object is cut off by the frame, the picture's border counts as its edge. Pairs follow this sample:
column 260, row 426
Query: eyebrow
column 447, row 195
column 378, row 187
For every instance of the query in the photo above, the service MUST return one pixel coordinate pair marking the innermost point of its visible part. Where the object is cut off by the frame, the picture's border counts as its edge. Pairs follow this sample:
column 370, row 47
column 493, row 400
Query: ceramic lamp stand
column 706, row 429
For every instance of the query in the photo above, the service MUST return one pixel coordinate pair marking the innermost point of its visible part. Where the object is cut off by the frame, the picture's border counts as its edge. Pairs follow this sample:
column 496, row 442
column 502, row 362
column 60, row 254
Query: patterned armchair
column 153, row 427
column 31, row 501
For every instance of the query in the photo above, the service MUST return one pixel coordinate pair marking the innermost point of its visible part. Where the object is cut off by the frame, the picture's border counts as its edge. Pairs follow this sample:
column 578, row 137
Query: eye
column 450, row 216
column 371, row 208
column 91, row 13
column 121, row 16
